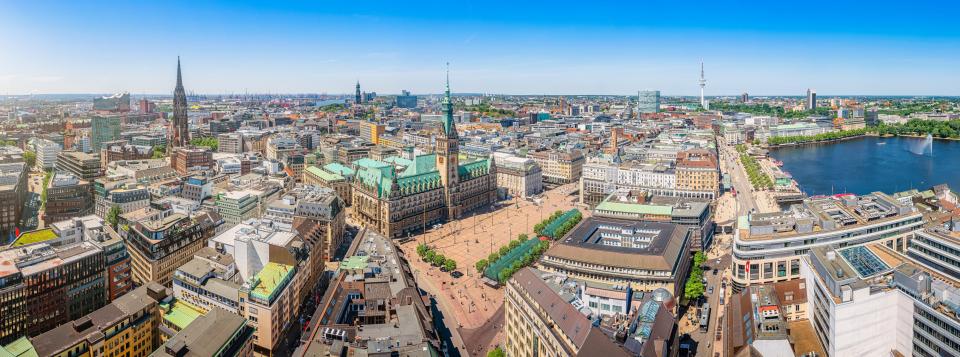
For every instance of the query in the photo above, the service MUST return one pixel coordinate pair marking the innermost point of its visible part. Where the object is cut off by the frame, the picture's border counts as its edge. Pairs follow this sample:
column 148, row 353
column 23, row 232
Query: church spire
column 448, row 125
column 179, row 77
column 179, row 128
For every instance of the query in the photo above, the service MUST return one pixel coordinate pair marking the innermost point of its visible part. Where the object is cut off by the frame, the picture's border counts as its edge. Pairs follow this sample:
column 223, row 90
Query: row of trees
column 937, row 128
column 333, row 108
column 767, row 109
column 906, row 108
column 833, row 135
column 493, row 257
column 758, row 179
column 568, row 225
column 694, row 287
column 436, row 259
column 487, row 110
column 565, row 227
column 43, row 190
column 538, row 228
column 527, row 259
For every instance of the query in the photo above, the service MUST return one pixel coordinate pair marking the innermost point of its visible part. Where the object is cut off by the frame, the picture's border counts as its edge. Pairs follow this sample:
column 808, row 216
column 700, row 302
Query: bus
column 704, row 317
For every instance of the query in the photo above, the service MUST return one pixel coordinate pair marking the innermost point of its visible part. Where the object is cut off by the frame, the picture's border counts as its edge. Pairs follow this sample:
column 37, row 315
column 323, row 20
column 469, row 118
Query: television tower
column 703, row 84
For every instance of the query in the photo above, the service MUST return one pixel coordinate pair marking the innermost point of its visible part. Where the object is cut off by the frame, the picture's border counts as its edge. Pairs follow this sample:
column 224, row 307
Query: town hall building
column 397, row 197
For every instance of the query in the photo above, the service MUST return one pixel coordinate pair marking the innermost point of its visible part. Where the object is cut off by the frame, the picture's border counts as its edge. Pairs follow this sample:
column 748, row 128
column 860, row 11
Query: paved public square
column 474, row 237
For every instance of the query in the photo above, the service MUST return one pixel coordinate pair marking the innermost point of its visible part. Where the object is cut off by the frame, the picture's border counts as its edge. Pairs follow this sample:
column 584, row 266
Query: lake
column 869, row 164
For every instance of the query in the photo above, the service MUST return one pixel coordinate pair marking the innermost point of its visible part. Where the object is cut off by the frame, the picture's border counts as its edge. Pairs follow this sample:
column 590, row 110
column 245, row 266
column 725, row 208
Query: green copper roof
column 324, row 174
column 396, row 160
column 419, row 183
column 421, row 164
column 268, row 283
column 370, row 163
column 37, row 236
column 339, row 169
column 378, row 178
column 474, row 169
column 635, row 208
column 419, row 174
column 181, row 314
column 19, row 348
column 447, row 102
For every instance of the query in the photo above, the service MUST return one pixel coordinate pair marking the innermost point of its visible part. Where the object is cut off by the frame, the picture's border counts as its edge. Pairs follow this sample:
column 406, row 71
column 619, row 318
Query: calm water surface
column 871, row 164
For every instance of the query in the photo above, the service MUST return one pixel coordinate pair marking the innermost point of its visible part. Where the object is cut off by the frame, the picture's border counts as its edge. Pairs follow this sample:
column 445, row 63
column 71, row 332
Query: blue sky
column 555, row 47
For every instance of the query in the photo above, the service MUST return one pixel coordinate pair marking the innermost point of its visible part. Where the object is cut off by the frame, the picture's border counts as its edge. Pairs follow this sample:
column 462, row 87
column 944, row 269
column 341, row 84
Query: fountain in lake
column 921, row 147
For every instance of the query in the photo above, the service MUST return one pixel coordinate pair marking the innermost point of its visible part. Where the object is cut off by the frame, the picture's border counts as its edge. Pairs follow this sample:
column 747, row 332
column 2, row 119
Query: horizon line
column 823, row 95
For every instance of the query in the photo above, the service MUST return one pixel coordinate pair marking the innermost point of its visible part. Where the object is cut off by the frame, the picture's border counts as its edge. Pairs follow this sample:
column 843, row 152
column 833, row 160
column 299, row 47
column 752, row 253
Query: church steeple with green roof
column 448, row 151
column 449, row 128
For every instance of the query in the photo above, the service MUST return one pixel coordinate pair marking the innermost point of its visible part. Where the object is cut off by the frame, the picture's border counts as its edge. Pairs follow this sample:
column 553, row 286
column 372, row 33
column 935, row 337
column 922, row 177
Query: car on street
column 710, row 290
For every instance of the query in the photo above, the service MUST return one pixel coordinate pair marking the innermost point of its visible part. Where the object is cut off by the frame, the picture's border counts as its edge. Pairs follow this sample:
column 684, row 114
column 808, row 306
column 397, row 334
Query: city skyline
column 495, row 48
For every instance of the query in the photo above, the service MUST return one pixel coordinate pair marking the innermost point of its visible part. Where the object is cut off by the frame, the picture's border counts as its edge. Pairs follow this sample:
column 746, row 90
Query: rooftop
column 270, row 279
column 634, row 208
column 181, row 314
column 324, row 174
column 37, row 236
column 93, row 326
column 824, row 214
column 19, row 348
column 355, row 262
column 622, row 243
column 575, row 326
column 206, row 335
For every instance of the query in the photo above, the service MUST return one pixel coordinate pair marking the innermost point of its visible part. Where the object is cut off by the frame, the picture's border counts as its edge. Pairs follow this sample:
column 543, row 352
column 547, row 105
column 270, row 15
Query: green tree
column 523, row 237
column 504, row 250
column 492, row 258
column 43, row 191
column 514, row 243
column 439, row 260
column 699, row 258
column 30, row 158
column 428, row 256
column 496, row 352
column 113, row 217
column 694, row 288
column 450, row 265
column 209, row 142
column 481, row 265
column 422, row 249
column 159, row 152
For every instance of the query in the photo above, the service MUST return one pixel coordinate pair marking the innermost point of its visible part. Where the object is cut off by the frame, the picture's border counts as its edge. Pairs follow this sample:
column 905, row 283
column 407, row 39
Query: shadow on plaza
column 440, row 323
column 481, row 340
